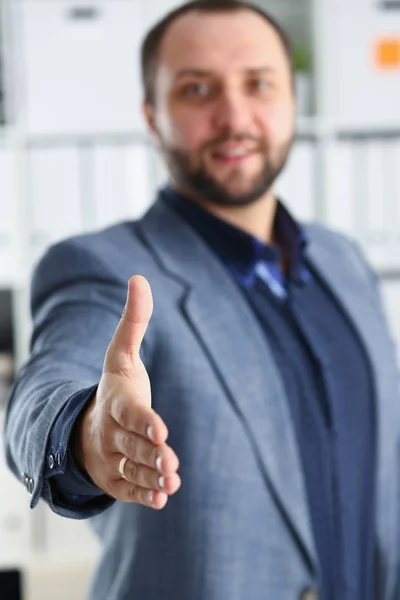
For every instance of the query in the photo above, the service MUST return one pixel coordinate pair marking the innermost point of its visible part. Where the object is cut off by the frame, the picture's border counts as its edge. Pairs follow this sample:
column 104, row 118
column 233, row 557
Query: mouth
column 232, row 154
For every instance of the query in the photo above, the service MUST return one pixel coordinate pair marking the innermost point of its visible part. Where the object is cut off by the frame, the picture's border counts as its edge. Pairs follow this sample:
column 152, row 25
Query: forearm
column 34, row 407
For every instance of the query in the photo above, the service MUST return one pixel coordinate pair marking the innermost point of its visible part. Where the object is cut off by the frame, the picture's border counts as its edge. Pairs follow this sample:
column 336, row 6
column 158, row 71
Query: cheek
column 277, row 123
column 192, row 131
column 185, row 129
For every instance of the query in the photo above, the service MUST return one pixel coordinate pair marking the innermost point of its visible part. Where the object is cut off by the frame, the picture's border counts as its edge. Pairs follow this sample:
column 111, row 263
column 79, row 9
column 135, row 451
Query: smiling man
column 265, row 363
column 220, row 103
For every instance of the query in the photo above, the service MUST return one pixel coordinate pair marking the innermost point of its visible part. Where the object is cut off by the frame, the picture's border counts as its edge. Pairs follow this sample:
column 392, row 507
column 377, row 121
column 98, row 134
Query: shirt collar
column 239, row 250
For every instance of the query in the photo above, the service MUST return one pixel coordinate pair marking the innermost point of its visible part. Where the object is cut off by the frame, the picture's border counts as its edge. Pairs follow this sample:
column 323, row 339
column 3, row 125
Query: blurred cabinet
column 110, row 189
column 380, row 195
column 296, row 185
column 361, row 62
column 52, row 197
column 342, row 187
column 143, row 180
column 14, row 515
column 390, row 291
column 122, row 187
column 81, row 65
column 363, row 195
column 8, row 218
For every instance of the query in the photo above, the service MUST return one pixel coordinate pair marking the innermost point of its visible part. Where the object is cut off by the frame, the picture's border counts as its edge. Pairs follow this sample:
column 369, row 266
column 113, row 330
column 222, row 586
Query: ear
column 149, row 115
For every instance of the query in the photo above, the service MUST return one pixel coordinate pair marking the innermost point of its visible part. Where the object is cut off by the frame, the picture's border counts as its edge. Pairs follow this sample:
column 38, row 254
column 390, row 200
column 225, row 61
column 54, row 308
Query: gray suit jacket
column 239, row 528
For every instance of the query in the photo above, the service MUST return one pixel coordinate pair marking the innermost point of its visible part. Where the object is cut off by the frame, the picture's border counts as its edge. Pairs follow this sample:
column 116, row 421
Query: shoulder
column 109, row 256
column 329, row 238
column 341, row 248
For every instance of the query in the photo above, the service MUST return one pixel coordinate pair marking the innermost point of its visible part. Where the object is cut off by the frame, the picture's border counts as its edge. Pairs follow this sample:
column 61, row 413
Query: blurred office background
column 74, row 156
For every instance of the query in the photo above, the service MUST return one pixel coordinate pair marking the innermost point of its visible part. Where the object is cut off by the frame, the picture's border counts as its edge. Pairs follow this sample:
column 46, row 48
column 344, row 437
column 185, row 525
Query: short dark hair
column 151, row 44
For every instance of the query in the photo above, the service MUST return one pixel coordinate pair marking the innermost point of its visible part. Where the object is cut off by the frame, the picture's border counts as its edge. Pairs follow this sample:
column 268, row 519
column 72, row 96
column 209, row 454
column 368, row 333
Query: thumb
column 133, row 324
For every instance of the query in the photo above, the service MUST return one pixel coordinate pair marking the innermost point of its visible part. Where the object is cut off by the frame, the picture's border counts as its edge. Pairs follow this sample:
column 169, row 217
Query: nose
column 232, row 112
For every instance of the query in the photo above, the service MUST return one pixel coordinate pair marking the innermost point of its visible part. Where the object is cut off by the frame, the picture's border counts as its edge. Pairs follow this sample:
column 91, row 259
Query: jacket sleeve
column 72, row 487
column 75, row 306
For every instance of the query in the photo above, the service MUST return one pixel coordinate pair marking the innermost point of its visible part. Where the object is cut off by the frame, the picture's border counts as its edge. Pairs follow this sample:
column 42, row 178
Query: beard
column 198, row 182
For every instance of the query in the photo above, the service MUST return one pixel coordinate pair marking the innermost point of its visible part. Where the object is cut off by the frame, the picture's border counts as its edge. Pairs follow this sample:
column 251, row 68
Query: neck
column 257, row 219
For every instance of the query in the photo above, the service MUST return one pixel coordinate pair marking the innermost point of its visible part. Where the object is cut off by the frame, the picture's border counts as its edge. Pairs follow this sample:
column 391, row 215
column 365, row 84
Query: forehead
column 221, row 42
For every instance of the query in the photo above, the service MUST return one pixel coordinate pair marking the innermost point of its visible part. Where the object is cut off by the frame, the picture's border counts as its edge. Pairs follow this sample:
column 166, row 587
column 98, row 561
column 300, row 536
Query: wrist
column 79, row 438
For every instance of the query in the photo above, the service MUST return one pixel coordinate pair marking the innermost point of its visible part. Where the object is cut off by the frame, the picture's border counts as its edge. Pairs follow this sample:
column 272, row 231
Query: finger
column 147, row 478
column 161, row 458
column 133, row 324
column 129, row 492
column 138, row 418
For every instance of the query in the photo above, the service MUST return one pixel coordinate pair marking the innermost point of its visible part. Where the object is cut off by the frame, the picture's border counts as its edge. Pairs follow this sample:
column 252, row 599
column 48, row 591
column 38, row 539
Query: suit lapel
column 351, row 285
column 237, row 348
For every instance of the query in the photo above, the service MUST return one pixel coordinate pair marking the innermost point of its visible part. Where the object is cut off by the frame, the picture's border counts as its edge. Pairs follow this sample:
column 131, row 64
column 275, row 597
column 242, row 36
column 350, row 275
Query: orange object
column 387, row 55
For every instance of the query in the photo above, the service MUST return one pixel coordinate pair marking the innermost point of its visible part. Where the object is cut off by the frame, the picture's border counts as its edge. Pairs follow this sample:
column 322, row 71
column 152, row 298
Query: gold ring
column 121, row 466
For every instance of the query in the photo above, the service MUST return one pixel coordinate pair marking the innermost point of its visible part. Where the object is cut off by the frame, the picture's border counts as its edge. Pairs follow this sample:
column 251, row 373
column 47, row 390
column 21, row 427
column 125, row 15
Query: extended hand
column 120, row 440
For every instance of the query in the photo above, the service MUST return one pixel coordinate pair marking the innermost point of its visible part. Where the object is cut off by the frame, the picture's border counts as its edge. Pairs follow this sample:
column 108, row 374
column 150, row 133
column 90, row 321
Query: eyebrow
column 205, row 73
column 260, row 70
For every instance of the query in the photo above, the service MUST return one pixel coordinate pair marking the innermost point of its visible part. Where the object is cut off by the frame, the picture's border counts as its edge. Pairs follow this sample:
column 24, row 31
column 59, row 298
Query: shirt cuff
column 61, row 468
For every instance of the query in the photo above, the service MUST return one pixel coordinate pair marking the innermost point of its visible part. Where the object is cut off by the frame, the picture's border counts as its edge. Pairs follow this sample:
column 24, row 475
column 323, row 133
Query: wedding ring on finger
column 121, row 466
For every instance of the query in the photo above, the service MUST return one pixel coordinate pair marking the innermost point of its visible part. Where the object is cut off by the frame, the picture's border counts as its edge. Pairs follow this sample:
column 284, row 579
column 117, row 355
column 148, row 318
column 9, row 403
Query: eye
column 260, row 84
column 197, row 89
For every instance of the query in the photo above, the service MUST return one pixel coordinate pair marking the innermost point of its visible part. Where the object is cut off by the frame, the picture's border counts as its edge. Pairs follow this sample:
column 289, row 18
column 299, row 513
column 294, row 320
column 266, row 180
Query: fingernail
column 161, row 482
column 150, row 497
column 150, row 433
column 159, row 463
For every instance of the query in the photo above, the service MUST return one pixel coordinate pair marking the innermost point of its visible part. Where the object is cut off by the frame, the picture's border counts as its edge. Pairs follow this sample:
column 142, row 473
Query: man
column 266, row 361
